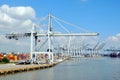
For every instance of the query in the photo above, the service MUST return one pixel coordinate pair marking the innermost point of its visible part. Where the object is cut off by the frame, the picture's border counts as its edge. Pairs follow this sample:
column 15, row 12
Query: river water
column 75, row 69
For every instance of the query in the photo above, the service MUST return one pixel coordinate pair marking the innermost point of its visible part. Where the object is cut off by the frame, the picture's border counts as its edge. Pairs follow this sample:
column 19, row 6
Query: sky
column 102, row 16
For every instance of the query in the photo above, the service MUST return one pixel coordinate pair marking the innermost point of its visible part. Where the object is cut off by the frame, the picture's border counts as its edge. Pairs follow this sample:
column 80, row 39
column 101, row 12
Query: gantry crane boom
column 24, row 35
column 70, row 34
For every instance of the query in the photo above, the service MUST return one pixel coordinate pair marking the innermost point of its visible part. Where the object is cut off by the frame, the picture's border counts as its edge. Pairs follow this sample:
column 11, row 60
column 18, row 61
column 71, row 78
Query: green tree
column 5, row 60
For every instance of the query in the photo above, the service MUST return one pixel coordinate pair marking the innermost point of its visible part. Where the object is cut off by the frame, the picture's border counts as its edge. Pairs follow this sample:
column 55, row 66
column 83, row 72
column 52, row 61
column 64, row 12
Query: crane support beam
column 16, row 36
column 20, row 35
column 70, row 34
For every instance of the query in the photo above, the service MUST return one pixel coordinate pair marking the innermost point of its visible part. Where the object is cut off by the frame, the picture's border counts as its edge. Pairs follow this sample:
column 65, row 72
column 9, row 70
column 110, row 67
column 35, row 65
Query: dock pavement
column 12, row 68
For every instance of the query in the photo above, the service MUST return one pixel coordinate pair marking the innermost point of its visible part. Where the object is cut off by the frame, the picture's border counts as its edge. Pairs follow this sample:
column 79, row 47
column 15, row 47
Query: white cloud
column 113, row 41
column 20, row 12
column 113, row 38
column 16, row 18
column 6, row 45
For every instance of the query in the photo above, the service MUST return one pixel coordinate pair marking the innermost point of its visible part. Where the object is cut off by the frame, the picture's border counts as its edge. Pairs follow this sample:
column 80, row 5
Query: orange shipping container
column 15, row 58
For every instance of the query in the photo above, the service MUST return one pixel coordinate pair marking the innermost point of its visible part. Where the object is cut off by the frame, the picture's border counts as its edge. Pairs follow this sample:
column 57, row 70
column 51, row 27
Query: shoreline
column 13, row 68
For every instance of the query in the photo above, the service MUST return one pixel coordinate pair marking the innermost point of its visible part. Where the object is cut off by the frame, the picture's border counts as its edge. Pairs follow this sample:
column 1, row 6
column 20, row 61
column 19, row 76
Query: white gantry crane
column 97, row 48
column 34, row 36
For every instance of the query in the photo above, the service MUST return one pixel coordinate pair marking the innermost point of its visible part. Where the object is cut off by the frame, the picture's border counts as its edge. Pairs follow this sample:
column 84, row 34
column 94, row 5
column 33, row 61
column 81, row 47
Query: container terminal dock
column 36, row 46
column 44, row 45
column 12, row 68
